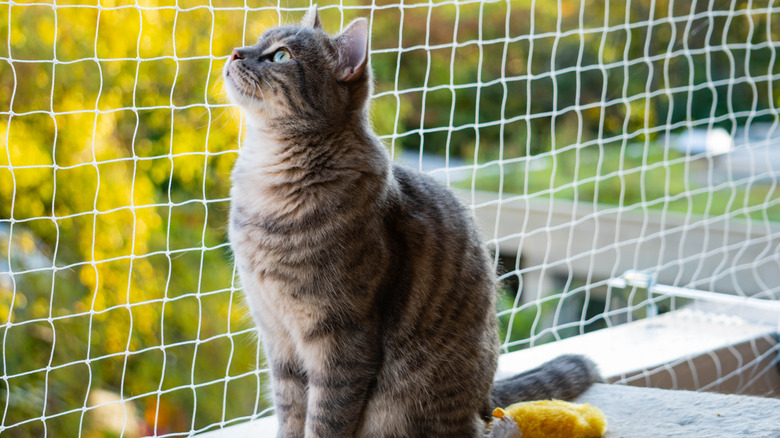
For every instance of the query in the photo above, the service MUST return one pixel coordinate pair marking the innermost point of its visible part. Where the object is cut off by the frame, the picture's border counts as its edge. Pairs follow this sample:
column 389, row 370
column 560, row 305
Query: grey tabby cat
column 370, row 285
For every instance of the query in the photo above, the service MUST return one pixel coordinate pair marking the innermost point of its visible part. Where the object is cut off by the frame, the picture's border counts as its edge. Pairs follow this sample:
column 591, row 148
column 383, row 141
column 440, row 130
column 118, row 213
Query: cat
column 370, row 285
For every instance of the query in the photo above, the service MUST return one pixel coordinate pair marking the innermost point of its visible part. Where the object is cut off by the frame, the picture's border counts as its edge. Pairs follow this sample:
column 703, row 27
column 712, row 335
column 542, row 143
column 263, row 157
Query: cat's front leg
column 289, row 392
column 340, row 380
column 288, row 378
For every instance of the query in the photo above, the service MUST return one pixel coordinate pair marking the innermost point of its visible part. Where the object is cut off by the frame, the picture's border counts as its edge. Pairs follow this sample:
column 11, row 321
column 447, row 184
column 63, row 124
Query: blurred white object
column 504, row 427
column 711, row 142
column 752, row 153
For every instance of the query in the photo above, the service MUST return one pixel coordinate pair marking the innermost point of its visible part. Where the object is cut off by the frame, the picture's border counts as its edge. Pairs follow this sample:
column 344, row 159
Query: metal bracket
column 638, row 280
column 646, row 280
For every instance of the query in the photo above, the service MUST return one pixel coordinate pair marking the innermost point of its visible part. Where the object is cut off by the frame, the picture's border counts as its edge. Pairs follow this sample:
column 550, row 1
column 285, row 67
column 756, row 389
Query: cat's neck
column 326, row 165
column 262, row 149
column 270, row 149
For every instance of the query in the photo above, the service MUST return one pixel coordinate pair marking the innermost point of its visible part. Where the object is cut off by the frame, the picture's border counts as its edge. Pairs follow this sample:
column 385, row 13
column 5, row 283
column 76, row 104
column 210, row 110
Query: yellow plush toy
column 547, row 419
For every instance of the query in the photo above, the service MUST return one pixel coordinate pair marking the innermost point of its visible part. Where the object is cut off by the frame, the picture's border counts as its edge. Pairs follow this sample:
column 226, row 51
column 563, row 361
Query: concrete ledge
column 638, row 413
column 648, row 412
column 686, row 349
column 260, row 428
column 694, row 348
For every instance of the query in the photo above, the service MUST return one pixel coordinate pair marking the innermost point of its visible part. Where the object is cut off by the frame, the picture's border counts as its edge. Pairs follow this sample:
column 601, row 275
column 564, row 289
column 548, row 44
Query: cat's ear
column 352, row 45
column 312, row 18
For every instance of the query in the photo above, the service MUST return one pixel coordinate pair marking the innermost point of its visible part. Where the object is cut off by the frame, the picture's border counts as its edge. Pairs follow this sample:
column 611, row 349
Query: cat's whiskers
column 229, row 117
column 243, row 91
column 246, row 91
column 267, row 83
column 260, row 89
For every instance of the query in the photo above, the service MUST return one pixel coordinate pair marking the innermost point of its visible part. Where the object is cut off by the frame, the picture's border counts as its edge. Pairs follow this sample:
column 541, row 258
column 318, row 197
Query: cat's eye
column 281, row 55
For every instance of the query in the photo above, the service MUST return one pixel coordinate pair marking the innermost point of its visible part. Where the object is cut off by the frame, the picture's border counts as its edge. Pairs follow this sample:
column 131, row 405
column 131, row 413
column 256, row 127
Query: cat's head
column 299, row 77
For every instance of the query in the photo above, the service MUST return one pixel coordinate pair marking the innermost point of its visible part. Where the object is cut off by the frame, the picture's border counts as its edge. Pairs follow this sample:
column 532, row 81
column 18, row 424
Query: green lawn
column 633, row 176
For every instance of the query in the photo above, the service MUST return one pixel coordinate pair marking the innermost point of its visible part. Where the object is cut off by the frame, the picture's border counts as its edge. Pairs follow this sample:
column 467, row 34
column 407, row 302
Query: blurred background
column 120, row 313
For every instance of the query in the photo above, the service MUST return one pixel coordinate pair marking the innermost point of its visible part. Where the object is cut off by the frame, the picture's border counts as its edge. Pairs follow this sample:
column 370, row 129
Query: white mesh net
column 590, row 138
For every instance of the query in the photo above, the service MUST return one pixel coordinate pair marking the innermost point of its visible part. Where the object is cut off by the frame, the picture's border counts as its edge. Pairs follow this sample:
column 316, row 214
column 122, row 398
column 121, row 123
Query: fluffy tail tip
column 563, row 378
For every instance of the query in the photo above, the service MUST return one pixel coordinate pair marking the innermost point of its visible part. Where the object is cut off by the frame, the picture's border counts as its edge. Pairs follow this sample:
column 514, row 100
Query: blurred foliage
column 116, row 146
column 116, row 166
column 553, row 86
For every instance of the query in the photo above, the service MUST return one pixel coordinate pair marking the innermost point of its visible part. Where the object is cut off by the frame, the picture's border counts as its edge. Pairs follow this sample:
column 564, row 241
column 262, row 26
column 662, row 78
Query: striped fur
column 371, row 288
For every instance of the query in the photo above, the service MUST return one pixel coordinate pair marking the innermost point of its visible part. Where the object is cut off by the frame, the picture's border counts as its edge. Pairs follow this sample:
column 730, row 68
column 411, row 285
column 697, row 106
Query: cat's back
column 425, row 199
column 441, row 217
column 444, row 245
column 441, row 253
column 438, row 313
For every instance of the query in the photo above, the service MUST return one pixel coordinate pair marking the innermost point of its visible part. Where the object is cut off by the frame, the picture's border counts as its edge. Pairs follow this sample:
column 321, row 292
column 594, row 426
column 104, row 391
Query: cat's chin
column 246, row 100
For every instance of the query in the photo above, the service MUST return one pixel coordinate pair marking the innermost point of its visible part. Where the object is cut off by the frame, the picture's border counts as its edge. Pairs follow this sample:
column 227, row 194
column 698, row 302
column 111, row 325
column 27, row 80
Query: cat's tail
column 563, row 378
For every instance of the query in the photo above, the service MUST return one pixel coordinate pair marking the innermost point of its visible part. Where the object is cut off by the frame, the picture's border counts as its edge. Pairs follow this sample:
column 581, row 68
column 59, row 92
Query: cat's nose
column 236, row 55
